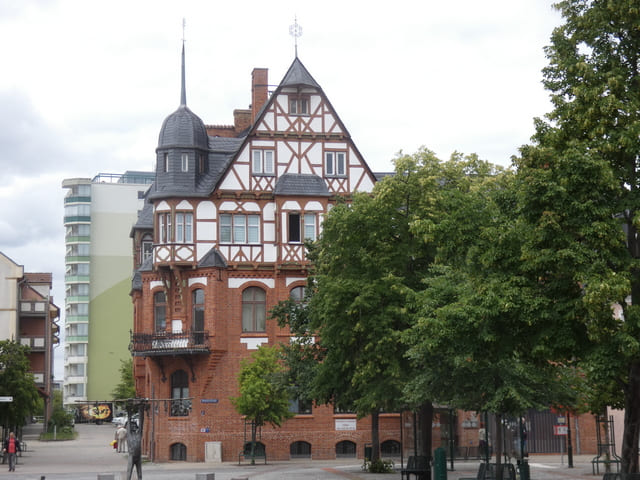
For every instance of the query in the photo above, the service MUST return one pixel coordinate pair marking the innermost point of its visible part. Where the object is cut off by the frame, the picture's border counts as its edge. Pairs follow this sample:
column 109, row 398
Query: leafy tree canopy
column 16, row 381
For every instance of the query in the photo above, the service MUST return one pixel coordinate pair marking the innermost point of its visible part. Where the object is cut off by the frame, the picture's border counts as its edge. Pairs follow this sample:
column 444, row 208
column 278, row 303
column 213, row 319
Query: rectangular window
column 335, row 164
column 185, row 162
column 239, row 228
column 294, row 227
column 310, row 226
column 299, row 105
column 166, row 162
column 184, row 227
column 262, row 162
column 165, row 234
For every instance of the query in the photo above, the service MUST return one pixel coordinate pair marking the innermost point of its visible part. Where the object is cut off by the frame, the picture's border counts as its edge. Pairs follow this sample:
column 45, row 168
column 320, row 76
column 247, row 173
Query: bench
column 418, row 466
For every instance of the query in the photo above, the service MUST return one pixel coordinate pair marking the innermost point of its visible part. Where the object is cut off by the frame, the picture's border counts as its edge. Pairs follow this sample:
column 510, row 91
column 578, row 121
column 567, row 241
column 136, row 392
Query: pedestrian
column 121, row 437
column 11, row 447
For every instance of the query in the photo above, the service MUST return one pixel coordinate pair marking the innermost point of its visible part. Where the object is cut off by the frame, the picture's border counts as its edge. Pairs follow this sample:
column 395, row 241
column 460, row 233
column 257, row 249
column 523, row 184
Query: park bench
column 259, row 454
column 418, row 466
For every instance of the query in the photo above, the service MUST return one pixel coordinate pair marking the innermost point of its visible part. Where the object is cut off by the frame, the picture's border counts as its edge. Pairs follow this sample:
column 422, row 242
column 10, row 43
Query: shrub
column 378, row 466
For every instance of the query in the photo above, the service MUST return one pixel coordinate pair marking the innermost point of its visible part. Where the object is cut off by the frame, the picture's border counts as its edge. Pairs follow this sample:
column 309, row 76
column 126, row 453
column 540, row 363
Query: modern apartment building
column 98, row 214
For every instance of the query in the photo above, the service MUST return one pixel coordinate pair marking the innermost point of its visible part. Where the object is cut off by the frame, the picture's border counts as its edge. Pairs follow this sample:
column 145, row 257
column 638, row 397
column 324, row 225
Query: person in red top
column 11, row 447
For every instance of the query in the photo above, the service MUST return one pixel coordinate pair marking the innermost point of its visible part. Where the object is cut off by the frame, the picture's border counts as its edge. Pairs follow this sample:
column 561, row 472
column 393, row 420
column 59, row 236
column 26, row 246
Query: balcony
column 168, row 343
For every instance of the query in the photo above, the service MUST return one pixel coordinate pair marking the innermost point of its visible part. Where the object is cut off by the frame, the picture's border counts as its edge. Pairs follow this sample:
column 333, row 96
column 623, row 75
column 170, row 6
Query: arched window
column 258, row 451
column 254, row 310
column 197, row 316
column 345, row 448
column 178, row 452
column 160, row 311
column 390, row 448
column 297, row 294
column 300, row 450
column 180, row 402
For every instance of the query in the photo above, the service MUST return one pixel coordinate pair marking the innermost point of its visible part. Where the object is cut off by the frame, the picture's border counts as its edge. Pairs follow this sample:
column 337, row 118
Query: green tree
column 16, row 381
column 580, row 199
column 263, row 396
column 126, row 387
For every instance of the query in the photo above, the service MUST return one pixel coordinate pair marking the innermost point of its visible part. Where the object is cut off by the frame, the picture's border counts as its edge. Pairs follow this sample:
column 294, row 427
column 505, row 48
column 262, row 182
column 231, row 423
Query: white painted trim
column 155, row 284
column 253, row 343
column 193, row 281
column 290, row 280
column 239, row 282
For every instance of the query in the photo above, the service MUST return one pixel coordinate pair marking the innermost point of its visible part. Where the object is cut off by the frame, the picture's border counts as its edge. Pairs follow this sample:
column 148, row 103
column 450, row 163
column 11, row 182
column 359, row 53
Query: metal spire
column 295, row 31
column 183, row 90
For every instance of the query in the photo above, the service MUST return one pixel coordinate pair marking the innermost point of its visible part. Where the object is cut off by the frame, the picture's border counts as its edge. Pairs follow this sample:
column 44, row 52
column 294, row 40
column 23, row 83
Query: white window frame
column 184, row 227
column 335, row 163
column 263, row 162
column 299, row 105
column 239, row 228
column 309, row 226
column 184, row 162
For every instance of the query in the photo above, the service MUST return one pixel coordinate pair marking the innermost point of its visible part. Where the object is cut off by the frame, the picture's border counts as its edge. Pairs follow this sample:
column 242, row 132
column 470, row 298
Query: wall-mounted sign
column 208, row 400
column 346, row 424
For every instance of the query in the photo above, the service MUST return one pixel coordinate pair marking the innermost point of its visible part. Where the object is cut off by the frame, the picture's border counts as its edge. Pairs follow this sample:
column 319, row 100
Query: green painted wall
column 111, row 318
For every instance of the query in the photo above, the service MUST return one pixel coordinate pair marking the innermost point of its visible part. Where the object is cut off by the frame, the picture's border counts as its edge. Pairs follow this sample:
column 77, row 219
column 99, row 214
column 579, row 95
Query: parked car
column 120, row 420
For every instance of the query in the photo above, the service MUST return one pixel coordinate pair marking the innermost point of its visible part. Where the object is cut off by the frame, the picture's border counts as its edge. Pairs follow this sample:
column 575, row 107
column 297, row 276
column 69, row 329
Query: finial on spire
column 295, row 31
column 183, row 90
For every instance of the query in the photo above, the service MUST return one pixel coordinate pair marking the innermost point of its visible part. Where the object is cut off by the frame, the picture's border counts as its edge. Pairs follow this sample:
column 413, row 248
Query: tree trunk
column 631, row 421
column 426, row 425
column 253, row 442
column 375, row 436
column 498, row 446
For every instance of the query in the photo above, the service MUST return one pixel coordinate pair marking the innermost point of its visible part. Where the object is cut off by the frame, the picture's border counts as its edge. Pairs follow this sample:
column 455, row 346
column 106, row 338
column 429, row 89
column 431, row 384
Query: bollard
column 205, row 476
column 439, row 464
column 524, row 470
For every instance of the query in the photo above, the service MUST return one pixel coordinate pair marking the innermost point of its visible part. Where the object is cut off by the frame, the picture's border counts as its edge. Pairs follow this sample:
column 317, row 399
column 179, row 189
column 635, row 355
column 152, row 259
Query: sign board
column 560, row 430
column 346, row 424
column 208, row 400
column 6, row 399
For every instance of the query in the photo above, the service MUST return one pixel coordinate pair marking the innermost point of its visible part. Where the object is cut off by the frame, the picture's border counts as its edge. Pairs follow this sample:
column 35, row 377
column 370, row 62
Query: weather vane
column 295, row 31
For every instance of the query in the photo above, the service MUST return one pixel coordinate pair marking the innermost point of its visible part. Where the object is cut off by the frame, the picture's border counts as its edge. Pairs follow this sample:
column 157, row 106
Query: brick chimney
column 259, row 90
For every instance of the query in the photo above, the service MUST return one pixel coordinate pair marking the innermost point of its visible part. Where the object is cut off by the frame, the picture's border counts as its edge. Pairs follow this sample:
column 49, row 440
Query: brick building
column 217, row 244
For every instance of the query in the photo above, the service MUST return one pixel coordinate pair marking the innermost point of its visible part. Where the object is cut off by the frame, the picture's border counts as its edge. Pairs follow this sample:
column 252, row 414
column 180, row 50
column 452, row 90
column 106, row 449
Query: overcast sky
column 85, row 86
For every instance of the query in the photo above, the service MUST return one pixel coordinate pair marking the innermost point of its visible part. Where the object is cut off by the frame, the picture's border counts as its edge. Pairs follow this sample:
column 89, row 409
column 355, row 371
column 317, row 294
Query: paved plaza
column 90, row 455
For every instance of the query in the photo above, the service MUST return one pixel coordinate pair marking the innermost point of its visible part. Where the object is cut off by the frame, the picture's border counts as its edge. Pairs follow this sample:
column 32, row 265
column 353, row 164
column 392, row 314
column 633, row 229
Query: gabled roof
column 307, row 185
column 298, row 75
column 213, row 258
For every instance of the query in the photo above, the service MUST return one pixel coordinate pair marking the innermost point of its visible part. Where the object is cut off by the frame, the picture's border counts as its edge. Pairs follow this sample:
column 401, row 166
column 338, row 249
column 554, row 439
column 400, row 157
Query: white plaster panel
column 206, row 210
column 269, row 211
column 270, row 253
column 269, row 232
column 251, row 207
column 316, row 124
column 228, row 206
column 231, row 181
column 206, row 230
column 184, row 205
column 289, row 280
column 239, row 282
column 268, row 122
column 155, row 284
column 202, row 249
column 162, row 207
column 313, row 206
column 193, row 281
column 263, row 143
column 291, row 205
column 253, row 343
column 306, row 168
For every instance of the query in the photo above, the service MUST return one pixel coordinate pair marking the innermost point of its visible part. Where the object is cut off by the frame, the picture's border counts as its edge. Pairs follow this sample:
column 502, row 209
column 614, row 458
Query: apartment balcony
column 36, row 344
column 169, row 343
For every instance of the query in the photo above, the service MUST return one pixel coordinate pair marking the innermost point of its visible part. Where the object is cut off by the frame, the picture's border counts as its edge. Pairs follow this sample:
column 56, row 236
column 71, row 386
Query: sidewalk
column 90, row 455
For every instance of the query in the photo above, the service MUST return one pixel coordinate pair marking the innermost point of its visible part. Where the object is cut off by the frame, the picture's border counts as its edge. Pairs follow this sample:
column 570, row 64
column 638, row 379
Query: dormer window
column 299, row 105
column 185, row 162
column 262, row 162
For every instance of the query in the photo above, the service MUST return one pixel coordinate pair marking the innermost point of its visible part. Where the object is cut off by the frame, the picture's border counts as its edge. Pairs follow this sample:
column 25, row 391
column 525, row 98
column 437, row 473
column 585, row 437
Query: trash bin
column 439, row 464
column 368, row 451
column 523, row 468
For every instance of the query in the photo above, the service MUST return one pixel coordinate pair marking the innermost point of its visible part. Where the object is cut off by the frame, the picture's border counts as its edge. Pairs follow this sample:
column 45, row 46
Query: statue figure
column 134, row 441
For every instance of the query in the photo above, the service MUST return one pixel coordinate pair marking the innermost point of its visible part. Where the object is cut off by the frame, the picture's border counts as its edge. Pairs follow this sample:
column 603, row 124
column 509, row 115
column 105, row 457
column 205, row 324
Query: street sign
column 6, row 399
column 560, row 430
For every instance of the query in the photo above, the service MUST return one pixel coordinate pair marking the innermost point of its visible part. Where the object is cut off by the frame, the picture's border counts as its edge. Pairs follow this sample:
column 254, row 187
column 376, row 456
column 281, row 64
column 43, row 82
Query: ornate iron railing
column 169, row 343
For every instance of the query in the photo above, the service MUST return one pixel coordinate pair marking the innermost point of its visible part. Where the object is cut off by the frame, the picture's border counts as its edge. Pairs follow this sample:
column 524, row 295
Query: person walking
column 121, row 437
column 11, row 447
